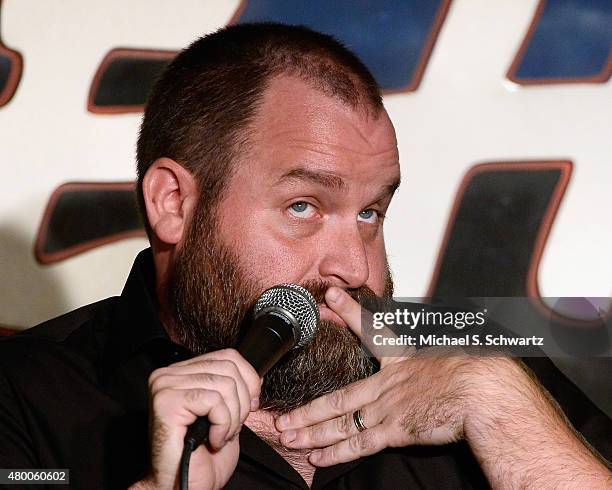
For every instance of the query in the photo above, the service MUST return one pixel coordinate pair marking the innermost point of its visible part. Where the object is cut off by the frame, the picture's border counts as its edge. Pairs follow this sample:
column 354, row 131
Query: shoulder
column 79, row 333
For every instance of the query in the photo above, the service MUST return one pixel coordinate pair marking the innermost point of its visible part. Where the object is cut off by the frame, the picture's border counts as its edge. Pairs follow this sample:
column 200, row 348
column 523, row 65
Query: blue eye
column 302, row 209
column 368, row 215
column 299, row 207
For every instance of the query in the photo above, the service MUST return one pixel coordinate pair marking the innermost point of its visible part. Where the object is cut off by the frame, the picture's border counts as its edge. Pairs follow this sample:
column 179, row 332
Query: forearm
column 522, row 439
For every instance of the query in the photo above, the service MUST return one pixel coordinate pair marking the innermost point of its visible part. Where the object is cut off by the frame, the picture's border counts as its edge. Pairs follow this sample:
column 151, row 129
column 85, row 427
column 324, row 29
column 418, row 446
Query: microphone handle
column 269, row 338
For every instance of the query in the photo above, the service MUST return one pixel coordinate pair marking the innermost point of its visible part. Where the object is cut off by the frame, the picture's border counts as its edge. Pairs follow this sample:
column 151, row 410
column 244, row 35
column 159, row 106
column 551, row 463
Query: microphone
column 284, row 317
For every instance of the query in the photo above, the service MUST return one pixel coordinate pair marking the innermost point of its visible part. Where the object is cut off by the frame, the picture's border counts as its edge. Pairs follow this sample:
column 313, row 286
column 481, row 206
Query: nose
column 344, row 262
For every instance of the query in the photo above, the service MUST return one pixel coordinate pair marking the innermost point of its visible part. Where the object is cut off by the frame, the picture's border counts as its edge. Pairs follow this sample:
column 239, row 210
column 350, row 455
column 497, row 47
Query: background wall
column 464, row 111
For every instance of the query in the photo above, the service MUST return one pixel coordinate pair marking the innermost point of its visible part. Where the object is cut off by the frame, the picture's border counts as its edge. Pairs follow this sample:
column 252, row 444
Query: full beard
column 211, row 299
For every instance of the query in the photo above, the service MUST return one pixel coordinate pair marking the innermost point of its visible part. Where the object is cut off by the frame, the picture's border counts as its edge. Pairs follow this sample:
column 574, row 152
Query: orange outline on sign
column 602, row 77
column 50, row 257
column 149, row 54
column 426, row 51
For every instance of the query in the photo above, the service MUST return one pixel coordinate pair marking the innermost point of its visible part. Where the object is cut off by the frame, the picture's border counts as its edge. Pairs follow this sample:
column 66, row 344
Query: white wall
column 465, row 112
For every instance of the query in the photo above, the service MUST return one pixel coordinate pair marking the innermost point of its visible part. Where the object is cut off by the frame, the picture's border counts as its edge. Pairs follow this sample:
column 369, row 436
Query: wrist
column 521, row 437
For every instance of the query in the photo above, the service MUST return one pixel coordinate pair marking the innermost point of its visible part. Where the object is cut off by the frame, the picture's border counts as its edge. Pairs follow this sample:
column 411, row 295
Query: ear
column 170, row 193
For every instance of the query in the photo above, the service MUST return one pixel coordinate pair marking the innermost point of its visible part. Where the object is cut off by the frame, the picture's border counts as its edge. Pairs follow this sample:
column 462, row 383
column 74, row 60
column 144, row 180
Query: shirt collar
column 254, row 448
column 138, row 312
column 135, row 325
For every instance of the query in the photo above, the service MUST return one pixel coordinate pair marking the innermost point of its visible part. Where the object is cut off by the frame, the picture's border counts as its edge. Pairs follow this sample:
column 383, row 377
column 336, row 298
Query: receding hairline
column 361, row 103
column 329, row 76
column 363, row 109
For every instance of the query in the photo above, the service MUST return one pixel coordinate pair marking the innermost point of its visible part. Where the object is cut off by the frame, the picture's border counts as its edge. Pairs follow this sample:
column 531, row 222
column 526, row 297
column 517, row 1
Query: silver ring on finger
column 358, row 420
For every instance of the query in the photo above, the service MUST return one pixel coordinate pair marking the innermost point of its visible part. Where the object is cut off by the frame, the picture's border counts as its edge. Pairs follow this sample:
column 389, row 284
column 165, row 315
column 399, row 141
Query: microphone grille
column 297, row 301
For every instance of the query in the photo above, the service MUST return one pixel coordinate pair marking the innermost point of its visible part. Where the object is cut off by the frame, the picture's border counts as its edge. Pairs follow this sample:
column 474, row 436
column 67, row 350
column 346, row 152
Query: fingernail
column 333, row 294
column 288, row 436
column 282, row 422
column 315, row 456
column 254, row 404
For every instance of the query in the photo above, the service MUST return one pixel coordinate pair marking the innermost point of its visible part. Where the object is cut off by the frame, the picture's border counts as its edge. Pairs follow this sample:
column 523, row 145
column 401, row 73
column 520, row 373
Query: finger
column 360, row 321
column 252, row 379
column 198, row 375
column 225, row 385
column 180, row 408
column 329, row 432
column 345, row 307
column 362, row 444
column 220, row 418
column 222, row 366
column 329, row 406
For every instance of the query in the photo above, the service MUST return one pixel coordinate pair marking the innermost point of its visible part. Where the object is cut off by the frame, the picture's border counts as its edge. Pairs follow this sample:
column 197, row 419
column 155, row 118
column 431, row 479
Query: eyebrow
column 325, row 179
column 393, row 186
column 330, row 180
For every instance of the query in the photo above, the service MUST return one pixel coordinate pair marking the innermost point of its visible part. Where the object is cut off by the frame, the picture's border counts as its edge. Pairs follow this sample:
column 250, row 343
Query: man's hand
column 413, row 399
column 220, row 385
column 509, row 420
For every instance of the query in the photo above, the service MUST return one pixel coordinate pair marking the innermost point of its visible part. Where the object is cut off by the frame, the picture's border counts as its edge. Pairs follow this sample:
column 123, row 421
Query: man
column 266, row 156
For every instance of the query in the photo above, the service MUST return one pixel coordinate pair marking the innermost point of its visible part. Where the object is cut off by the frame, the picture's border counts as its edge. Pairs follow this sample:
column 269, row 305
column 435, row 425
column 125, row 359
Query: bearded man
column 266, row 156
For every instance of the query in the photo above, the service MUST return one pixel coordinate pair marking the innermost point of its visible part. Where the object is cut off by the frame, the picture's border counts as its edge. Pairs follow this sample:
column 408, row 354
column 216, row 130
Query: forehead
column 297, row 125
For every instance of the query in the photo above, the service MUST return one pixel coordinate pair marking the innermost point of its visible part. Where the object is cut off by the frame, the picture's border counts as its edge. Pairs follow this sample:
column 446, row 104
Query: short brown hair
column 199, row 110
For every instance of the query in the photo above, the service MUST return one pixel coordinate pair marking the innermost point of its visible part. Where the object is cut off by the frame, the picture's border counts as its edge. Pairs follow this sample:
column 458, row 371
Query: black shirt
column 73, row 394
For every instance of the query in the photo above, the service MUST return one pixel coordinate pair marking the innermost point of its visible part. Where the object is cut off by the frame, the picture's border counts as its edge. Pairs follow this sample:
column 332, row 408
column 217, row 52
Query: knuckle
column 203, row 378
column 354, row 444
column 334, row 453
column 344, row 424
column 228, row 384
column 330, row 453
column 194, row 396
column 362, row 442
column 398, row 374
column 316, row 432
column 336, row 400
column 156, row 375
column 232, row 355
column 197, row 396
column 203, row 365
column 230, row 367
column 355, row 388
column 214, row 397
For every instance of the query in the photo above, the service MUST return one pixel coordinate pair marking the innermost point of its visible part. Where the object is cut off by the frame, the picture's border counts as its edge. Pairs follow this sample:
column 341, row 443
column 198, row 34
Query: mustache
column 318, row 288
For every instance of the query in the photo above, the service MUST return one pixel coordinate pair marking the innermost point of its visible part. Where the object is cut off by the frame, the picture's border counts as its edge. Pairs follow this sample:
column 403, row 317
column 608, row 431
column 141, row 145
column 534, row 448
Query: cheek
column 267, row 256
column 377, row 264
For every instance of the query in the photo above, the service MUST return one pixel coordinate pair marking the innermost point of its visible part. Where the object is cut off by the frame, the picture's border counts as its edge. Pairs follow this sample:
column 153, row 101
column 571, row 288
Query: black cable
column 197, row 433
column 188, row 448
